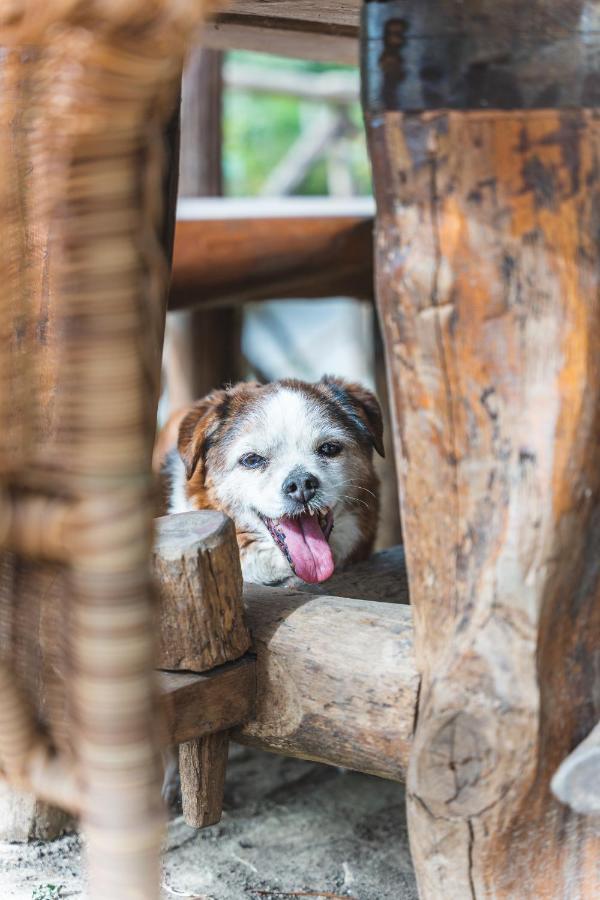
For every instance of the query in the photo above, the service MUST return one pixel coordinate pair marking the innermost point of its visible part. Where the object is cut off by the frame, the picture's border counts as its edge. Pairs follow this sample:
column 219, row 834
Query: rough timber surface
column 326, row 32
column 201, row 614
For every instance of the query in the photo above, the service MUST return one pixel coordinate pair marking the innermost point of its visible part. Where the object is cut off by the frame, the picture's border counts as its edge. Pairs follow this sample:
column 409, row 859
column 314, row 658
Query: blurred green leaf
column 258, row 130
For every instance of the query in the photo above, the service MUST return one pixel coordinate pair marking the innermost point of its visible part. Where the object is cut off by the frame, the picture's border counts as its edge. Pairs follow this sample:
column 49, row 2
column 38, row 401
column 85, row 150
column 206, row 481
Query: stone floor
column 290, row 829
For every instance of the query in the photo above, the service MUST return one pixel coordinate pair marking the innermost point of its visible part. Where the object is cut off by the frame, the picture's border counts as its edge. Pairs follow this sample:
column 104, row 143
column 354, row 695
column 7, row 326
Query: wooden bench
column 330, row 675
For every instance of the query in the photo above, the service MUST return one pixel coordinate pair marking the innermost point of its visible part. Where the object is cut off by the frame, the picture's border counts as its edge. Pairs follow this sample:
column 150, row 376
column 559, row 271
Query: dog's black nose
column 300, row 486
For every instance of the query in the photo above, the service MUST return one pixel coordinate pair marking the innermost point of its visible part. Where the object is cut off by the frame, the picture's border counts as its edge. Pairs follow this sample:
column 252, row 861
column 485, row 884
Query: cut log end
column 196, row 563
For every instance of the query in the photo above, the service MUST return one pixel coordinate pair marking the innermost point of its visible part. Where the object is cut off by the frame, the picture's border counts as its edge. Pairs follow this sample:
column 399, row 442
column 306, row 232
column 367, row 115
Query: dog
column 291, row 463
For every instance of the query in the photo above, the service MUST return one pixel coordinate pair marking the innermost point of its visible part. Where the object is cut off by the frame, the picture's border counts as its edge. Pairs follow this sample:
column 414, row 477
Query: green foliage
column 258, row 129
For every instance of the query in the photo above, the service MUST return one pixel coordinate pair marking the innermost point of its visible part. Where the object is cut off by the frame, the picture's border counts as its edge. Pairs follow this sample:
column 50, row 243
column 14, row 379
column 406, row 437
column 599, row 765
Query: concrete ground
column 290, row 829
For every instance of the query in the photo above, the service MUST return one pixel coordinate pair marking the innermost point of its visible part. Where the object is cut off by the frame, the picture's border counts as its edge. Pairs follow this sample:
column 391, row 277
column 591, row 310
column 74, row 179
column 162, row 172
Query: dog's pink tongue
column 308, row 548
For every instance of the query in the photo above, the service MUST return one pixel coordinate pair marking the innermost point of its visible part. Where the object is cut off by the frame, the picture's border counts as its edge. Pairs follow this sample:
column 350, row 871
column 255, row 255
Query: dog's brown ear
column 361, row 405
column 196, row 427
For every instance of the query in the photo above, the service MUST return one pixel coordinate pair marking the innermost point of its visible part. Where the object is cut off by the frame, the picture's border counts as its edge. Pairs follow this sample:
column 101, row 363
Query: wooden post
column 201, row 626
column 336, row 679
column 203, row 763
column 485, row 143
column 203, row 346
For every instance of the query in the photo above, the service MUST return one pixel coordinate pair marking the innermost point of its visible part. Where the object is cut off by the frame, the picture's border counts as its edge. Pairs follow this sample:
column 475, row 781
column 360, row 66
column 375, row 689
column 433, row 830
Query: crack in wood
column 439, row 338
column 470, row 858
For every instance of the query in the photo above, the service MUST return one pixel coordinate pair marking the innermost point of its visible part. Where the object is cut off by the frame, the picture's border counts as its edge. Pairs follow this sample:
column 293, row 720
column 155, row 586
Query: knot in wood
column 455, row 769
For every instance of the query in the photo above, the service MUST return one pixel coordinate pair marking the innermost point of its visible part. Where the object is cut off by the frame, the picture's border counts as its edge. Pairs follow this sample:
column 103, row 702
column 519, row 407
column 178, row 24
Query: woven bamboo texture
column 85, row 91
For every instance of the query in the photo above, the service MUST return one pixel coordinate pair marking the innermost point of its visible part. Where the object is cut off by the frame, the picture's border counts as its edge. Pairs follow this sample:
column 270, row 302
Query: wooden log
column 487, row 260
column 326, row 13
column 201, row 614
column 325, row 32
column 576, row 782
column 197, row 565
column 229, row 252
column 202, row 795
column 336, row 680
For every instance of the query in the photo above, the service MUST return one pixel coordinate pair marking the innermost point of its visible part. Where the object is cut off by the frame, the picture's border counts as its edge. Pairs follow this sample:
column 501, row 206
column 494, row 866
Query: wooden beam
column 487, row 186
column 198, row 705
column 325, row 32
column 291, row 249
column 336, row 680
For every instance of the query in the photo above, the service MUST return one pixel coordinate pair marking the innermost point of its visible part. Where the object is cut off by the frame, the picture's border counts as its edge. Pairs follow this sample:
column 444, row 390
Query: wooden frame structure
column 484, row 137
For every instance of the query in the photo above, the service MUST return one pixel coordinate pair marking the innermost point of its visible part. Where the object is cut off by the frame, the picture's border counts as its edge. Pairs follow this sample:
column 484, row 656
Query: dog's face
column 291, row 463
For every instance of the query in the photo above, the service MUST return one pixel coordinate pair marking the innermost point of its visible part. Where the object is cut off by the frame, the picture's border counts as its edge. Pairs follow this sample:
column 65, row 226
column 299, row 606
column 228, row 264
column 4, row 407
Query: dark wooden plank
column 326, row 32
column 259, row 256
column 204, row 346
column 325, row 13
column 259, row 34
column 196, row 705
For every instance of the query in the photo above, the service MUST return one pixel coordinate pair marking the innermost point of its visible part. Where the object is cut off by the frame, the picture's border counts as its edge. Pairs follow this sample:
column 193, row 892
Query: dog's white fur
column 286, row 428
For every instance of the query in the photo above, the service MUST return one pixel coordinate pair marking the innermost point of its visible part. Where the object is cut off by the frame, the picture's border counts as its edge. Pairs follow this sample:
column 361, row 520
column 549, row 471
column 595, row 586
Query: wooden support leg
column 202, row 626
column 488, row 189
column 202, row 767
column 203, row 346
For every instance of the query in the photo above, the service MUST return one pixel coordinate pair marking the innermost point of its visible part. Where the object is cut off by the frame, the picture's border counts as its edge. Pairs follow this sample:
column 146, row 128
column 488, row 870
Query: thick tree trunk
column 487, row 184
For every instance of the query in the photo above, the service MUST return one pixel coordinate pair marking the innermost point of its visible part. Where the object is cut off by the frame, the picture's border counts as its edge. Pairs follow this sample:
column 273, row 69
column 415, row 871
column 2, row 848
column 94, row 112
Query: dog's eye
column 252, row 461
column 330, row 448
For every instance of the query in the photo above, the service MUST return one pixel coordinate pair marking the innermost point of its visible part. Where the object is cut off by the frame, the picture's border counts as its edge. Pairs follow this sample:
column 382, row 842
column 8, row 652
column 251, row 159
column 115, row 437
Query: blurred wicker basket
column 86, row 90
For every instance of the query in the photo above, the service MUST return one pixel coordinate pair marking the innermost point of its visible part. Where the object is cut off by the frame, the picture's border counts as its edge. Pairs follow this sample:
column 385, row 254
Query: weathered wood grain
column 201, row 615
column 205, row 762
column 326, row 32
column 487, row 259
column 336, row 680
column 197, row 705
column 202, row 625
column 255, row 256
column 326, row 13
